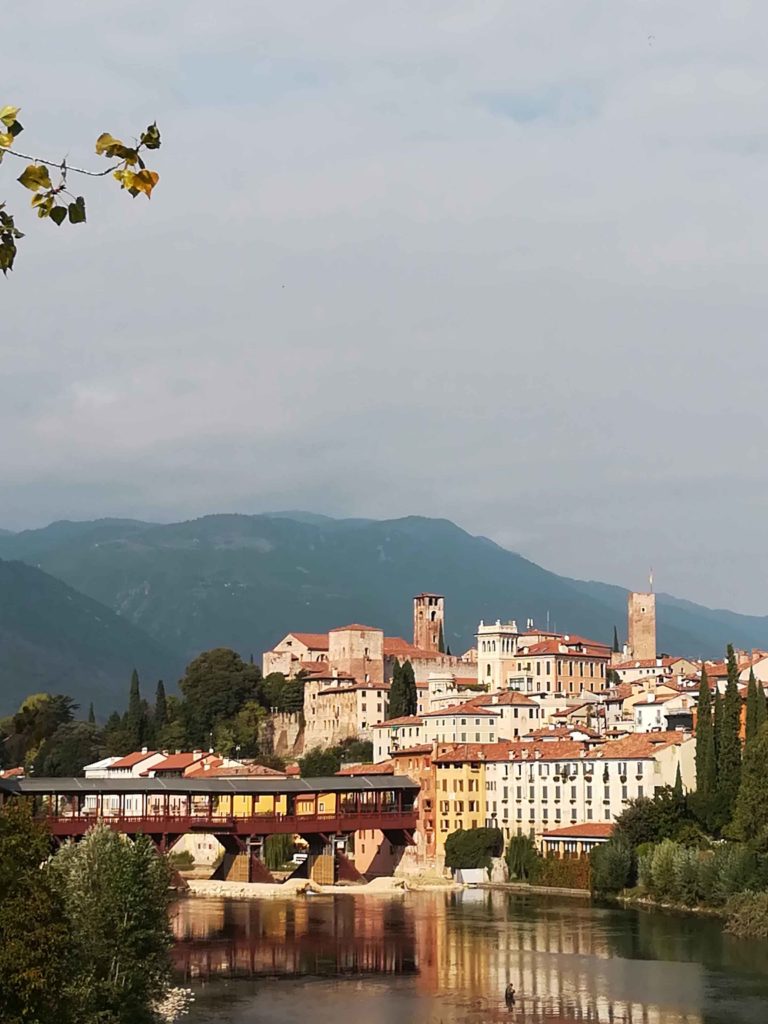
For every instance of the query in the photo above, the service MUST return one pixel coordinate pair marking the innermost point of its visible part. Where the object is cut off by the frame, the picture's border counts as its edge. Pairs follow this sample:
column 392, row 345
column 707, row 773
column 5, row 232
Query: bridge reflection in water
column 322, row 936
column 569, row 961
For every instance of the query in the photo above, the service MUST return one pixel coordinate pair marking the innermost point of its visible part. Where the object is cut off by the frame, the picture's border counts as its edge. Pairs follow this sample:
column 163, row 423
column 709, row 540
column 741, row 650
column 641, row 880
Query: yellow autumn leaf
column 8, row 115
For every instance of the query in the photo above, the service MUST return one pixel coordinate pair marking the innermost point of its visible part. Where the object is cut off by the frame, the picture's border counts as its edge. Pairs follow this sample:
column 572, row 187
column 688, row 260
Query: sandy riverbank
column 302, row 887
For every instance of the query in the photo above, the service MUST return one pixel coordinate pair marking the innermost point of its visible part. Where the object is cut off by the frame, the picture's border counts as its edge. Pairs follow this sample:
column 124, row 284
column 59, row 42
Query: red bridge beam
column 71, row 825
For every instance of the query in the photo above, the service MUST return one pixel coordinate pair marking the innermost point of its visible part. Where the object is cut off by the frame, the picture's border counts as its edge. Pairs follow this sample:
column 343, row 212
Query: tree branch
column 62, row 165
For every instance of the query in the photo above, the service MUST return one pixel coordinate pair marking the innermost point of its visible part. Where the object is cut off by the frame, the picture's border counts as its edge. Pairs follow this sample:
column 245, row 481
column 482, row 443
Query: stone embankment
column 302, row 887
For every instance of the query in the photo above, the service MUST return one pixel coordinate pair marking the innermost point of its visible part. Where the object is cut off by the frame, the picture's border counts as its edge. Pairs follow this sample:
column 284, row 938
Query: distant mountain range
column 53, row 638
column 244, row 581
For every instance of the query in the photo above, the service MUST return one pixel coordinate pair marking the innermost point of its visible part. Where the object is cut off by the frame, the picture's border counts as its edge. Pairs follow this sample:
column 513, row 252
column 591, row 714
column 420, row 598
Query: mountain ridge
column 244, row 581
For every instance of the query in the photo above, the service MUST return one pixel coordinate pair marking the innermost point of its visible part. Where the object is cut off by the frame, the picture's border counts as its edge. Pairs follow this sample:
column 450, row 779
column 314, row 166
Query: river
column 438, row 958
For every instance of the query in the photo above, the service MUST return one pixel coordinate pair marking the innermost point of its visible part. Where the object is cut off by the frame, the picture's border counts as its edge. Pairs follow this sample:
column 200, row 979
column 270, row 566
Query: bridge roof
column 196, row 785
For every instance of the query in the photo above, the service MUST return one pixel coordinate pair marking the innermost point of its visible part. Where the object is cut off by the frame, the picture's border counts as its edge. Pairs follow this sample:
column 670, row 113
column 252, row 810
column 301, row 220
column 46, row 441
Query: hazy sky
column 500, row 262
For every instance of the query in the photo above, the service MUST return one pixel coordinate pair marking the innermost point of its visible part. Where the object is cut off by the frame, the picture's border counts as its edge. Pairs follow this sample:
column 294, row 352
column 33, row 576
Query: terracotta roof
column 403, row 720
column 131, row 760
column 508, row 697
column 259, row 771
column 475, row 752
column 382, row 768
column 176, row 762
column 12, row 773
column 588, row 830
column 421, row 748
column 638, row 745
column 646, row 663
column 469, row 708
column 560, row 732
column 315, row 641
column 554, row 647
column 356, row 626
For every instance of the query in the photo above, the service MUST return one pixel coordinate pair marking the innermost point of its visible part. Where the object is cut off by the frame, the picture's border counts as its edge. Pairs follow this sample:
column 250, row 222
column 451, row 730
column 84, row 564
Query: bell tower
column 641, row 625
column 429, row 622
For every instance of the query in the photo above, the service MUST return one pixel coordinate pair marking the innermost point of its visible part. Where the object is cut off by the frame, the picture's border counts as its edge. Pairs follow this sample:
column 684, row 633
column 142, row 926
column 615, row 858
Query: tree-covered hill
column 53, row 638
column 244, row 581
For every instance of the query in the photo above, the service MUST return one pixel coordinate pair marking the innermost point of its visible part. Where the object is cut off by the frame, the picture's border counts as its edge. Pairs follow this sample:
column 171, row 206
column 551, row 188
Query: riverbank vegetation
column 84, row 934
column 707, row 849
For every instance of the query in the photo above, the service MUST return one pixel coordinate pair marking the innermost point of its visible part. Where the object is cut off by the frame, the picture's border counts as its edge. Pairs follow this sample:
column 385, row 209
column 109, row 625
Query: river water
column 438, row 958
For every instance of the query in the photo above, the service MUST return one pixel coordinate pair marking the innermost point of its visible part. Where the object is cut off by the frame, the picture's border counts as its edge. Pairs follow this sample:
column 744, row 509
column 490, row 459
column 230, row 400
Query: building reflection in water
column 568, row 961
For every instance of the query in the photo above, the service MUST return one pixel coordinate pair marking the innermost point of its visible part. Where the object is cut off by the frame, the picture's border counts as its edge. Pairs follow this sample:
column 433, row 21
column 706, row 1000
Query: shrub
column 278, row 850
column 686, row 883
column 473, row 847
column 567, row 873
column 644, row 856
column 736, row 869
column 747, row 915
column 182, row 861
column 663, row 870
column 611, row 866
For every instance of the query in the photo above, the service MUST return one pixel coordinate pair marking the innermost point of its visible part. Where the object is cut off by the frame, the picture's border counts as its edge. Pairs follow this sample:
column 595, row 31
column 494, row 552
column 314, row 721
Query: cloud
column 496, row 262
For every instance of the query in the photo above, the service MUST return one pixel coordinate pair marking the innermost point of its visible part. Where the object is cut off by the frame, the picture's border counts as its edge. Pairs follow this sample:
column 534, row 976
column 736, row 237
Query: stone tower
column 641, row 625
column 429, row 622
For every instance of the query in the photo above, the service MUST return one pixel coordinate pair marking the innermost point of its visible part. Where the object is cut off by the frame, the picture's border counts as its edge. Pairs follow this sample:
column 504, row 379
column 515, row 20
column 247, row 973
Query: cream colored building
column 396, row 734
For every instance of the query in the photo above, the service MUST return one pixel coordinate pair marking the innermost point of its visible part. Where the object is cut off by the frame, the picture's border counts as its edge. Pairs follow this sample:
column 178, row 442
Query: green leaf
column 59, row 214
column 34, row 177
column 77, row 211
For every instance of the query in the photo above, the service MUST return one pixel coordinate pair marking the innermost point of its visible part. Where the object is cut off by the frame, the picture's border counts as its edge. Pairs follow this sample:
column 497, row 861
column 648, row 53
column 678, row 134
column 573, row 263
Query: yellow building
column 460, row 789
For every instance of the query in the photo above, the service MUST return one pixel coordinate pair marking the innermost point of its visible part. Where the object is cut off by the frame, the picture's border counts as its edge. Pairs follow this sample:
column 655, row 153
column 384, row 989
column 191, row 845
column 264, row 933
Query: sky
column 498, row 262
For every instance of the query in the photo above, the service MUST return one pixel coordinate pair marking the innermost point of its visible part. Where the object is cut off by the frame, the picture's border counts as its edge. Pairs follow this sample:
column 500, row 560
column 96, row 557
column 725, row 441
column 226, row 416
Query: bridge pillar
column 242, row 860
column 321, row 859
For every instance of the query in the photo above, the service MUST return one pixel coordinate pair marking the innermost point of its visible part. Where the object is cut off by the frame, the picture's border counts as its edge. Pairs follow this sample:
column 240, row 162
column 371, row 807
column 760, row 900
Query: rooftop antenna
column 650, row 579
column 547, row 619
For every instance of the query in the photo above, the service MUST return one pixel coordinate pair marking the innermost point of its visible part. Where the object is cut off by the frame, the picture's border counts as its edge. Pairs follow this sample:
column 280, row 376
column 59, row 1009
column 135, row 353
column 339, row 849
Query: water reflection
column 448, row 958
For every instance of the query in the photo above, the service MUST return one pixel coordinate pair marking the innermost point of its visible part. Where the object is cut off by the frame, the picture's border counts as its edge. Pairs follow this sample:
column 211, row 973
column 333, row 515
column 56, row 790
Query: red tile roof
column 638, row 745
column 356, row 626
column 588, row 830
column 131, row 760
column 258, row 771
column 421, row 748
column 469, row 708
column 403, row 720
column 382, row 768
column 12, row 773
column 505, row 699
column 475, row 752
column 315, row 641
column 176, row 762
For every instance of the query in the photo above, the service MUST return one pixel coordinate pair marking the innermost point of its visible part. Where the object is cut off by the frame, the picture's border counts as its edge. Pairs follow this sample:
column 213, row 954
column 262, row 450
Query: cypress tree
column 134, row 722
column 616, row 648
column 706, row 779
column 441, row 641
column 718, row 726
column 761, row 709
column 397, row 693
column 729, row 750
column 409, row 689
column 678, row 788
column 91, row 715
column 750, row 727
column 161, row 707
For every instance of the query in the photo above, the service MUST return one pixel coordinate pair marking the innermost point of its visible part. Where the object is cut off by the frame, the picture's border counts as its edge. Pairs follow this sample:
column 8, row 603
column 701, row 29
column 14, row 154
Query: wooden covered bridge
column 239, row 812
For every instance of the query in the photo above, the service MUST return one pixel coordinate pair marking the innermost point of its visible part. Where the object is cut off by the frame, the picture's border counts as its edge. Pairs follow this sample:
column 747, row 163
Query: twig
column 58, row 166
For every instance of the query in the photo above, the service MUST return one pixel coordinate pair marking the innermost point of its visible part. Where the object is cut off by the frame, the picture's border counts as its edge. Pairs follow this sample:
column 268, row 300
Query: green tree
column 215, row 686
column 750, row 724
column 397, row 695
column 320, row 762
column 616, row 648
column 610, row 866
column 522, row 858
column 761, row 711
column 652, row 819
column 729, row 751
column 473, row 847
column 116, row 899
column 750, row 816
column 36, row 962
column 278, row 851
column 52, row 198
column 409, row 689
column 706, row 769
column 69, row 750
column 161, row 708
column 135, row 722
column 37, row 719
column 91, row 715
column 441, row 640
column 357, row 752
